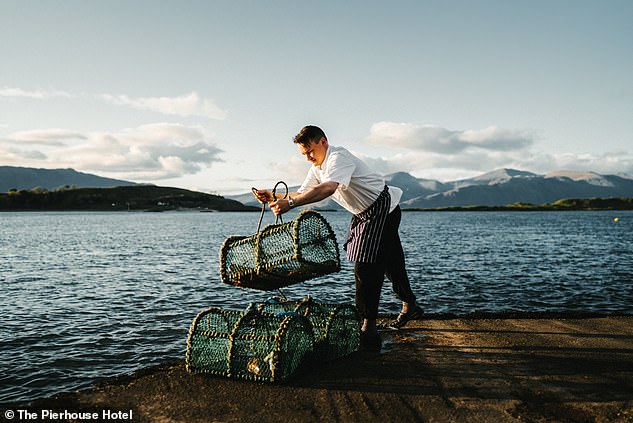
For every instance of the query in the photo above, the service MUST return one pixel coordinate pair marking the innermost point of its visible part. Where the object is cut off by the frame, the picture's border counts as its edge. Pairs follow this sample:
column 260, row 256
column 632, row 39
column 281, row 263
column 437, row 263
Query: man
column 372, row 243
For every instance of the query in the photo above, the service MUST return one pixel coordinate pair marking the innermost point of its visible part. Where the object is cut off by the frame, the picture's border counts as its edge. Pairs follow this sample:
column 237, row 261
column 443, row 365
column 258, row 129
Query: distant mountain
column 508, row 186
column 495, row 177
column 497, row 188
column 413, row 187
column 21, row 178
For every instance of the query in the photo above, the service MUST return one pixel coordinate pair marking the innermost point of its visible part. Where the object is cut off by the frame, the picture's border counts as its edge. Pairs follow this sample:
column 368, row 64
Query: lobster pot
column 281, row 255
column 248, row 345
column 336, row 326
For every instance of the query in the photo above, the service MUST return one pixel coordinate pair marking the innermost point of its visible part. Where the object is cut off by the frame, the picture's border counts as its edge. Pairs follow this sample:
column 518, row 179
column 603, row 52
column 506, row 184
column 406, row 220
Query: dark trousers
column 370, row 276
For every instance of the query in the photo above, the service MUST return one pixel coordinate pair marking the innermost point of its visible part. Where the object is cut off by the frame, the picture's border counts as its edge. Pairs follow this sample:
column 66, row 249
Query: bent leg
column 369, row 278
column 394, row 259
column 397, row 274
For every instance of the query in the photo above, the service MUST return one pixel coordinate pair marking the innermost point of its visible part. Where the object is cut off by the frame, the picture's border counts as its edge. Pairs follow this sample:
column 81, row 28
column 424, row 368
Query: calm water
column 90, row 295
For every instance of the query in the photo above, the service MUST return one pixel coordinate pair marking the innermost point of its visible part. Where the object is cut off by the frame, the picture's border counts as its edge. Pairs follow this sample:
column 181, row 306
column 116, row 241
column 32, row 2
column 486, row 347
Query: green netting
column 248, row 345
column 281, row 255
column 336, row 326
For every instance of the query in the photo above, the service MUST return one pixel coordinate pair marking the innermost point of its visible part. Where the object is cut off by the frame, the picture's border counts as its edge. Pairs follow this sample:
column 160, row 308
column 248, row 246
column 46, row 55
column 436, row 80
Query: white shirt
column 358, row 185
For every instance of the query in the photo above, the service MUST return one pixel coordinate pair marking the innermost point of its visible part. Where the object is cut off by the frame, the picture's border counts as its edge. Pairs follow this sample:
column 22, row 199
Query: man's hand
column 280, row 206
column 263, row 195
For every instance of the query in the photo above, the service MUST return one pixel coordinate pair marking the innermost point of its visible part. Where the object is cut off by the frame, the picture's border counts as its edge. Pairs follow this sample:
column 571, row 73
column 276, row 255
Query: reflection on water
column 89, row 295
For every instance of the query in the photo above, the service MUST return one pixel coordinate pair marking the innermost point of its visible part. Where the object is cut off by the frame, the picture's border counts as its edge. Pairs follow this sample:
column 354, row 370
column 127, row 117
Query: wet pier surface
column 439, row 369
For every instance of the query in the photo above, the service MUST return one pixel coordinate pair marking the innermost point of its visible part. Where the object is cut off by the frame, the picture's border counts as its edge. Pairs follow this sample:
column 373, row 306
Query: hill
column 25, row 178
column 139, row 197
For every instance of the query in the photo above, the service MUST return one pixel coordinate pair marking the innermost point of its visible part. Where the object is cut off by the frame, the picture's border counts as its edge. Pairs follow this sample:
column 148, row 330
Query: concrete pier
column 462, row 369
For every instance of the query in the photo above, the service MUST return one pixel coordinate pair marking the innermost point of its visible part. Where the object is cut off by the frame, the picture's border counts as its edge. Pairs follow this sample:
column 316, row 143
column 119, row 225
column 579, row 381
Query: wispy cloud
column 185, row 105
column 148, row 152
column 36, row 94
column 54, row 137
column 20, row 156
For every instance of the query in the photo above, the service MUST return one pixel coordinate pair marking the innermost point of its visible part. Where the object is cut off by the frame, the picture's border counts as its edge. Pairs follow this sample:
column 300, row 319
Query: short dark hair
column 309, row 134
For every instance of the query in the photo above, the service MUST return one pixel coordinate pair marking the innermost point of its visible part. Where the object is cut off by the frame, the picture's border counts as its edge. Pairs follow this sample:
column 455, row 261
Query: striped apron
column 365, row 230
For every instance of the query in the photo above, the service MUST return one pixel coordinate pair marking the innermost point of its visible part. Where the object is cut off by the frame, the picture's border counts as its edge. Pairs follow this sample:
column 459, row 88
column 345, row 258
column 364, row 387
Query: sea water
column 90, row 295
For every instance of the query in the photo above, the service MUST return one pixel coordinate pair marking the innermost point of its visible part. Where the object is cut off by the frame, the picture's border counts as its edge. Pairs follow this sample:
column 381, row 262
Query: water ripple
column 92, row 295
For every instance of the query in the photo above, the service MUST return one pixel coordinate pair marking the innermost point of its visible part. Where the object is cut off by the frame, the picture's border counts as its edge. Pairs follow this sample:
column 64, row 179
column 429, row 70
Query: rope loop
column 278, row 218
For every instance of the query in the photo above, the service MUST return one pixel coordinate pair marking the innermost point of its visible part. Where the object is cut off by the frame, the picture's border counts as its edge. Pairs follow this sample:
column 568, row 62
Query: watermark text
column 64, row 415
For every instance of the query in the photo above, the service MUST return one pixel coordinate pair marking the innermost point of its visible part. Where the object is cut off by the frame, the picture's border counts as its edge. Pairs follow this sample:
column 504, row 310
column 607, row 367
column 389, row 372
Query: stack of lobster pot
column 269, row 340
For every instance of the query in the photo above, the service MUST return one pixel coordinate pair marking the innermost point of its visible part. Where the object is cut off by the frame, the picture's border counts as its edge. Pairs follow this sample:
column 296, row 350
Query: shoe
column 404, row 318
column 370, row 342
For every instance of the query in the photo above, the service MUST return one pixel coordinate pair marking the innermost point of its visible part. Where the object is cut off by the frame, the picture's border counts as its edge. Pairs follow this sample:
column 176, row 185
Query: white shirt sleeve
column 339, row 168
column 310, row 181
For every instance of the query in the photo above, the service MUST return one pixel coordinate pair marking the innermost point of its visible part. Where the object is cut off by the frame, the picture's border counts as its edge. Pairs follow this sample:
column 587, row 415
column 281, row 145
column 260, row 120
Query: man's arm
column 312, row 195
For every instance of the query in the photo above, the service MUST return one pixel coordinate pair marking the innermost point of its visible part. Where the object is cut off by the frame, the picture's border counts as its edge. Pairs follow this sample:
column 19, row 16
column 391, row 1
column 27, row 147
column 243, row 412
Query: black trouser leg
column 370, row 276
column 394, row 259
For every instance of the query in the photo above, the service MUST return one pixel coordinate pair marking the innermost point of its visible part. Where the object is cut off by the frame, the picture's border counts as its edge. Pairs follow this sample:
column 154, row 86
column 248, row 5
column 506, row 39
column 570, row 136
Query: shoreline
column 475, row 367
column 252, row 209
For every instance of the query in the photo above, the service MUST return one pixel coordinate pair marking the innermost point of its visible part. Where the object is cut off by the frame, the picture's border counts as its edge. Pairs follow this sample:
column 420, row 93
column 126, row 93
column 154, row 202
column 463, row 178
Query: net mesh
column 336, row 326
column 281, row 255
column 248, row 344
column 269, row 340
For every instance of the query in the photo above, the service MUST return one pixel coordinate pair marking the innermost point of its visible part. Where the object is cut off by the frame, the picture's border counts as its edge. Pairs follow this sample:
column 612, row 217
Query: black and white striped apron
column 365, row 230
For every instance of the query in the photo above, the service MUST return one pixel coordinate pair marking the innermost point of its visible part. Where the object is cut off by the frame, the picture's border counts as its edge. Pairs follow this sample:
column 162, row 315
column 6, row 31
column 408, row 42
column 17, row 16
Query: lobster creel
column 336, row 326
column 248, row 344
column 281, row 255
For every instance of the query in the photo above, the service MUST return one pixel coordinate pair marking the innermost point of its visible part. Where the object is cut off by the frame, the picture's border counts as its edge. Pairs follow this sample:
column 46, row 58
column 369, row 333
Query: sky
column 207, row 95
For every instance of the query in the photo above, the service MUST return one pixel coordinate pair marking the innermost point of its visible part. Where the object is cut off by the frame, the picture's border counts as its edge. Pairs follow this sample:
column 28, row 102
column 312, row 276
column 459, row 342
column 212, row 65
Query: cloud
column 471, row 163
column 185, row 105
column 17, row 156
column 53, row 137
column 293, row 171
column 440, row 140
column 36, row 94
column 148, row 152
column 434, row 152
column 610, row 163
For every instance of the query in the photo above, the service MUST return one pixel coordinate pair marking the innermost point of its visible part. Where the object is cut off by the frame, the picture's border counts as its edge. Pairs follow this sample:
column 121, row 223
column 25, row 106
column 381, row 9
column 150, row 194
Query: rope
column 278, row 218
column 283, row 297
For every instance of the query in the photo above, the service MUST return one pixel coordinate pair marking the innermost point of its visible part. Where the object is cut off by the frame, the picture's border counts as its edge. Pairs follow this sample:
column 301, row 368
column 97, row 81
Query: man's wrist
column 291, row 202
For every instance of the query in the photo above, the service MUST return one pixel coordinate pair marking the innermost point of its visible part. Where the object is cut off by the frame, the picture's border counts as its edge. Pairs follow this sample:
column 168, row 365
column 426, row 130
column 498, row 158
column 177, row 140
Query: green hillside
column 139, row 197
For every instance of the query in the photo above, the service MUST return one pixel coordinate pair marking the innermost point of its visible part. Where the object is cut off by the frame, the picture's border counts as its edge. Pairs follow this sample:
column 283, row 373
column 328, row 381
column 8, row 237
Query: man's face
column 315, row 151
